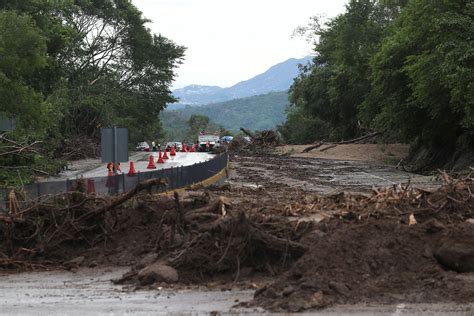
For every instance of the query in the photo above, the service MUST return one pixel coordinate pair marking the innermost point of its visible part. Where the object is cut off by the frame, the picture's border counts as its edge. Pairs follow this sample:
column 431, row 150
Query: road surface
column 90, row 292
column 89, row 168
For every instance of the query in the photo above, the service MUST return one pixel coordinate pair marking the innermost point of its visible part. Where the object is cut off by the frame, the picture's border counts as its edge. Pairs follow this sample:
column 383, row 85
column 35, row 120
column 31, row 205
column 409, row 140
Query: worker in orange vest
column 110, row 169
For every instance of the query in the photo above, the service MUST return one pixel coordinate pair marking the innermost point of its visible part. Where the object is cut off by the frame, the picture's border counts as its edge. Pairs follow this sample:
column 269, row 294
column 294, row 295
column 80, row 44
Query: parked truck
column 207, row 142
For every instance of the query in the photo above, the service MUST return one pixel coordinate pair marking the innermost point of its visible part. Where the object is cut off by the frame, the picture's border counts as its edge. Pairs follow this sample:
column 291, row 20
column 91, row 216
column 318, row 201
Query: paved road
column 141, row 162
column 90, row 292
column 94, row 168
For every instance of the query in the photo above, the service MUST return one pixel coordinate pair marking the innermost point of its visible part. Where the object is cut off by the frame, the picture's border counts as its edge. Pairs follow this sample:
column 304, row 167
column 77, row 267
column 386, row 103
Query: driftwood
column 72, row 216
column 332, row 145
column 145, row 185
column 247, row 132
column 328, row 147
column 308, row 149
column 266, row 138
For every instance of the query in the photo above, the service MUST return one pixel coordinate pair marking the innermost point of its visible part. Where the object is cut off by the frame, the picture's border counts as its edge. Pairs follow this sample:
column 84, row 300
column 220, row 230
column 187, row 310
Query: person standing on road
column 153, row 146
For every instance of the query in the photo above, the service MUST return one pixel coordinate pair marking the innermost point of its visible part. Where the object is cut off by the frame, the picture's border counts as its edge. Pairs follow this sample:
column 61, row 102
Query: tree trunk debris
column 332, row 145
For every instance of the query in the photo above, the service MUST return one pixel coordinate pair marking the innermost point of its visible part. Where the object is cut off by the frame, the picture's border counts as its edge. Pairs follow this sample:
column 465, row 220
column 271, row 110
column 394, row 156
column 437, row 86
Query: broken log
column 125, row 197
column 307, row 149
column 332, row 145
column 248, row 133
column 328, row 147
column 358, row 139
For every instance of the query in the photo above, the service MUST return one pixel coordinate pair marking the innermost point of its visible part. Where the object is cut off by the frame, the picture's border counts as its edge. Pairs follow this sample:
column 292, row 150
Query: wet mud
column 363, row 254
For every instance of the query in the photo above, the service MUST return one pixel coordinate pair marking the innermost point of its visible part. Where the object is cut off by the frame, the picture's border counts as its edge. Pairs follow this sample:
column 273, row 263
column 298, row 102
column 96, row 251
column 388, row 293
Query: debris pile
column 218, row 238
column 80, row 147
column 260, row 143
column 194, row 234
column 391, row 246
column 44, row 231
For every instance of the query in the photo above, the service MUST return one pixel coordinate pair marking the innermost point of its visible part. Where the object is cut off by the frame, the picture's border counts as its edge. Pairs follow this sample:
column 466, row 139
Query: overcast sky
column 233, row 40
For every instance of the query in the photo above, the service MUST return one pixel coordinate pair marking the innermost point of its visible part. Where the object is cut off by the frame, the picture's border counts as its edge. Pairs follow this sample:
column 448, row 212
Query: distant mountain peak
column 278, row 77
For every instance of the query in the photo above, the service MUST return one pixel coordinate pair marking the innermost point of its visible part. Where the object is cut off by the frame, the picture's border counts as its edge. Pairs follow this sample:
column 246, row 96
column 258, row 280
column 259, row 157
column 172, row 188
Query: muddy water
column 324, row 176
column 90, row 291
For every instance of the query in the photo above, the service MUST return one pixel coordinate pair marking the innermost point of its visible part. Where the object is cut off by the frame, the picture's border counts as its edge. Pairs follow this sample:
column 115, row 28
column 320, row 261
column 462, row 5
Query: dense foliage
column 401, row 66
column 259, row 112
column 68, row 68
column 178, row 126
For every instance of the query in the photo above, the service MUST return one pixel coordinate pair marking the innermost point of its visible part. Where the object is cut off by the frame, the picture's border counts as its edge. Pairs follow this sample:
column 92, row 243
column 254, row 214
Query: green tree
column 22, row 53
column 68, row 68
column 197, row 123
column 423, row 75
column 334, row 87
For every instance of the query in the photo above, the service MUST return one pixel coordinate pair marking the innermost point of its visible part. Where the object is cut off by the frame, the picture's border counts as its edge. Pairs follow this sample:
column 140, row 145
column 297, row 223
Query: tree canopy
column 405, row 67
column 68, row 68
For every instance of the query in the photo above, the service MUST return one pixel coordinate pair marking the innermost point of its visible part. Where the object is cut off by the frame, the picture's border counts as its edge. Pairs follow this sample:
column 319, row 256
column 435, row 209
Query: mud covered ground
column 366, row 238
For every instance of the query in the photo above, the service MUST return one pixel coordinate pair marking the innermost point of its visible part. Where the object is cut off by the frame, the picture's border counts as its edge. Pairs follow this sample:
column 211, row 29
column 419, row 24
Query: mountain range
column 259, row 112
column 277, row 78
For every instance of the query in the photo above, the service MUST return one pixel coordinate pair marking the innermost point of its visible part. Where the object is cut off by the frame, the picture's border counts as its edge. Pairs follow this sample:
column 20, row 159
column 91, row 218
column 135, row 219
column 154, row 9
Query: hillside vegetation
column 399, row 66
column 255, row 113
column 68, row 68
column 180, row 127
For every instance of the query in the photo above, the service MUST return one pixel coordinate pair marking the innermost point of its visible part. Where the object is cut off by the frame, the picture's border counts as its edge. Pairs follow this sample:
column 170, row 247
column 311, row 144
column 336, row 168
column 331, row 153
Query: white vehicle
column 143, row 146
column 207, row 142
column 177, row 145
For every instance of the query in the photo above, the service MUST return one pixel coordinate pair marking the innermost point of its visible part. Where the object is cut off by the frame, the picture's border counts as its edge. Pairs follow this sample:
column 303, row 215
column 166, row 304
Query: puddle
column 90, row 292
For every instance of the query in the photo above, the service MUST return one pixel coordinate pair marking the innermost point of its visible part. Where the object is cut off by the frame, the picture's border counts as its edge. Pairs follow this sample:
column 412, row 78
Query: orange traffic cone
column 183, row 150
column 160, row 158
column 90, row 186
column 165, row 155
column 131, row 171
column 151, row 163
column 173, row 151
column 193, row 149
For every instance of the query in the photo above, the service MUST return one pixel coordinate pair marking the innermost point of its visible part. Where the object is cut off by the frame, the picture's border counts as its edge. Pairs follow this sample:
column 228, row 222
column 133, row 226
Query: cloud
column 228, row 40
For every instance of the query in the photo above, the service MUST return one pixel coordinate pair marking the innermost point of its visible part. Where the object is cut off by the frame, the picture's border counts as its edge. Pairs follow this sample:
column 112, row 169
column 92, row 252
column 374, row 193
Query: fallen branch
column 248, row 133
column 328, row 147
column 332, row 145
column 307, row 149
column 127, row 196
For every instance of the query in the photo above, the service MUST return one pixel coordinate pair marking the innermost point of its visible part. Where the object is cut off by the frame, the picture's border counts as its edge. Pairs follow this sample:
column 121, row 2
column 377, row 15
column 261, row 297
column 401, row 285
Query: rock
column 288, row 290
column 157, row 272
column 271, row 293
column 318, row 233
column 297, row 305
column 339, row 288
column 433, row 226
column 427, row 253
column 456, row 255
column 470, row 221
column 317, row 300
column 93, row 264
column 147, row 260
column 310, row 285
column 74, row 262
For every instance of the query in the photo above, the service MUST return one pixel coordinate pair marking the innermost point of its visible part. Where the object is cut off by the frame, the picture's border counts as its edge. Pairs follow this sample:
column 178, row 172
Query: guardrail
column 177, row 178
